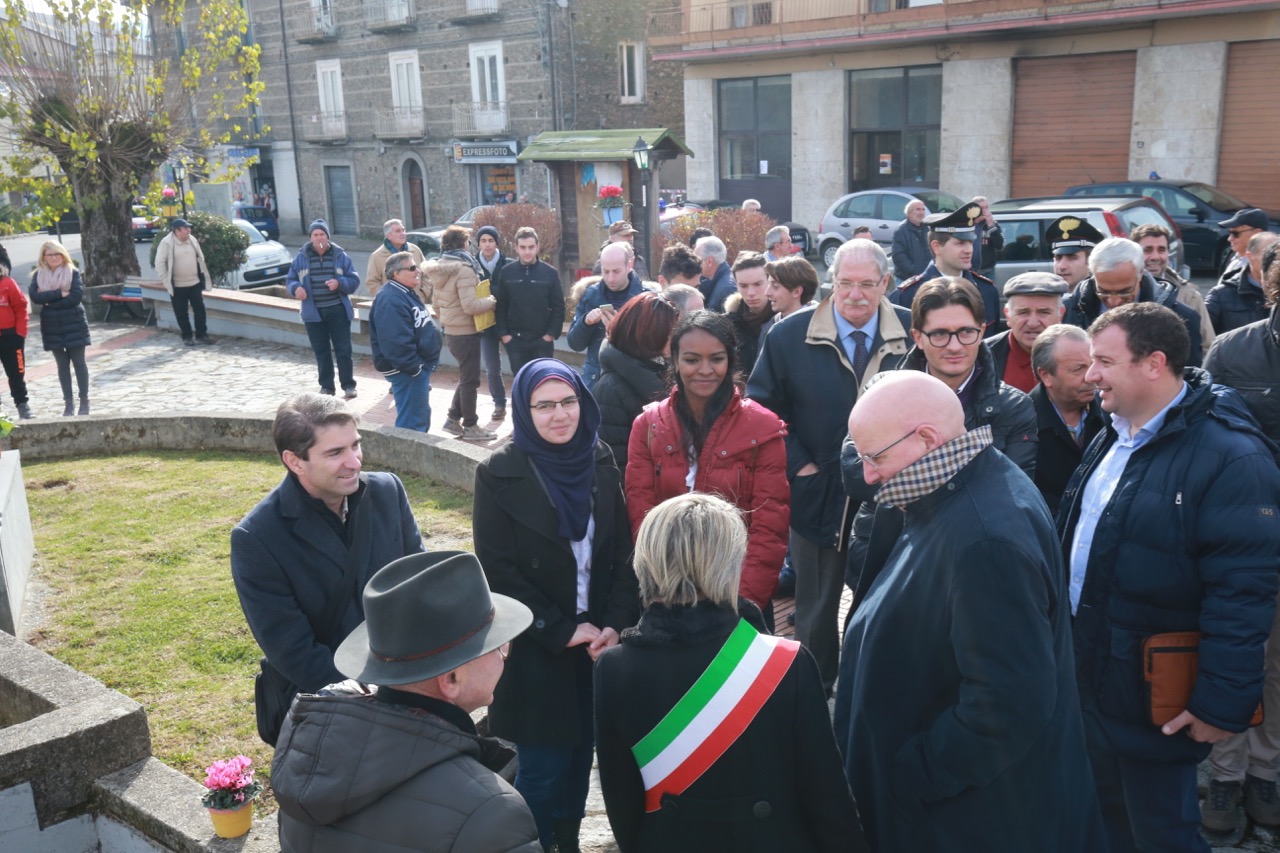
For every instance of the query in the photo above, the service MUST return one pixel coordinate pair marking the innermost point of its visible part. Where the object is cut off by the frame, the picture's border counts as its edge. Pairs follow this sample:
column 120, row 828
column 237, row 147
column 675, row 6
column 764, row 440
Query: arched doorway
column 414, row 193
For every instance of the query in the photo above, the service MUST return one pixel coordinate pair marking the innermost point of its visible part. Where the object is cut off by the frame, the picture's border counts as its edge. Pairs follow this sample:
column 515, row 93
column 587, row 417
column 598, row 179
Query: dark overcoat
column 63, row 324
column 1057, row 454
column 515, row 529
column 956, row 707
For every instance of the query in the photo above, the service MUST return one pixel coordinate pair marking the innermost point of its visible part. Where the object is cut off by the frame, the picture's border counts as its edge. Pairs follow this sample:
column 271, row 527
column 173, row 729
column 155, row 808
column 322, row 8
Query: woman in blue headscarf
column 551, row 530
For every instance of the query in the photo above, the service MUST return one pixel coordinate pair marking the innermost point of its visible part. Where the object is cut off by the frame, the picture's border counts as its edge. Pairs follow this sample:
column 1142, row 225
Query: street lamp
column 179, row 176
column 640, row 154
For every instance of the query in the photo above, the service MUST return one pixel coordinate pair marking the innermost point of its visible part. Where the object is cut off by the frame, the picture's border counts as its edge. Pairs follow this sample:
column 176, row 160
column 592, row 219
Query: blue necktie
column 861, row 354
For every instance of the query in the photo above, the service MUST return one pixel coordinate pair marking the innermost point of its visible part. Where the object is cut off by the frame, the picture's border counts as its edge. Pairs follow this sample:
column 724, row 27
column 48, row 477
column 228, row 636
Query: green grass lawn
column 135, row 552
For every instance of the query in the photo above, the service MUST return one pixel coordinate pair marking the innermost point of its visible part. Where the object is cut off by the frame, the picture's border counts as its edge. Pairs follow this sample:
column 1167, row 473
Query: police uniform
column 1070, row 234
column 959, row 225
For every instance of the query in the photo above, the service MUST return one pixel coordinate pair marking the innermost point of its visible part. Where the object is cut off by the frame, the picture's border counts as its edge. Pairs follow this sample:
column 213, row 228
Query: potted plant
column 611, row 203
column 230, row 795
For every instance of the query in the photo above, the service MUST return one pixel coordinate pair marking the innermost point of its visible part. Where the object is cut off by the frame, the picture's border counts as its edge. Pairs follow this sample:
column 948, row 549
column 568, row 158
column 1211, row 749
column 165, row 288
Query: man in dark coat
column 530, row 310
column 1067, row 411
column 956, row 709
column 810, row 370
column 289, row 553
column 748, row 309
column 951, row 238
column 1033, row 303
column 1237, row 299
column 1119, row 277
column 618, row 285
column 717, row 283
column 1170, row 524
column 911, row 253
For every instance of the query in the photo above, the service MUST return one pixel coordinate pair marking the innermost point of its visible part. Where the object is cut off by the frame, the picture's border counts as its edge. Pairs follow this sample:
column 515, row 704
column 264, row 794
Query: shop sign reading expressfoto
column 501, row 151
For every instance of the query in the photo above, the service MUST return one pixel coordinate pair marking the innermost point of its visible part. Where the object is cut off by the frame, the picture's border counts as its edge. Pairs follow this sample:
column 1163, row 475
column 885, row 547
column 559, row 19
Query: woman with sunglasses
column 551, row 530
column 56, row 286
column 706, row 437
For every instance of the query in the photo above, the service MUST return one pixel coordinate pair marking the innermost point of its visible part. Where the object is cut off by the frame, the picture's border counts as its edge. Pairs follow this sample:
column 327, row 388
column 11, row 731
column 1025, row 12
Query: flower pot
column 232, row 823
column 612, row 215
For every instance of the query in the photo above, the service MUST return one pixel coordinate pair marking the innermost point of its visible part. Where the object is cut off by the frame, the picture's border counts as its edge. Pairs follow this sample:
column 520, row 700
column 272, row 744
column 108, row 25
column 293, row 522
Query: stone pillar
column 1177, row 111
column 700, row 136
column 820, row 143
column 977, row 127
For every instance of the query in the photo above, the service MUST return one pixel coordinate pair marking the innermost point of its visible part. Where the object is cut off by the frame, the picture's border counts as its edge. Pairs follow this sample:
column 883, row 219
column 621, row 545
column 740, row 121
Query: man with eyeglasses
column 956, row 707
column 810, row 371
column 1119, row 277
column 1242, row 225
column 951, row 239
column 946, row 324
column 1237, row 299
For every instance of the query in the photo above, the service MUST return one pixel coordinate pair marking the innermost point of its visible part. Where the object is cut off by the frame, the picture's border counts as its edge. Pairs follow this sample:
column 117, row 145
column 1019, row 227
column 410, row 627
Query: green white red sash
column 714, row 712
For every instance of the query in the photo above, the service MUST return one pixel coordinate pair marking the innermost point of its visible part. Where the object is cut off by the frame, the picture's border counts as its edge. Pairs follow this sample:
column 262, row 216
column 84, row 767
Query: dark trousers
column 819, row 584
column 193, row 296
column 522, row 350
column 492, row 358
column 14, row 359
column 331, row 339
column 1147, row 806
column 466, row 350
column 66, row 359
column 554, row 778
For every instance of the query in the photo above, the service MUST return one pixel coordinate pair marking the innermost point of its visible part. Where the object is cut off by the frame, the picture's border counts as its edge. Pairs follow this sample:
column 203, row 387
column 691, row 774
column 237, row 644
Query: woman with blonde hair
column 56, row 286
column 710, row 734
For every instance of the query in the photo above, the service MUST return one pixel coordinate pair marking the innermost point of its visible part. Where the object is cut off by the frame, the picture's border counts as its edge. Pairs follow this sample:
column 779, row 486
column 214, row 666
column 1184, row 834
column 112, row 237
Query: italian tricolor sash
column 714, row 712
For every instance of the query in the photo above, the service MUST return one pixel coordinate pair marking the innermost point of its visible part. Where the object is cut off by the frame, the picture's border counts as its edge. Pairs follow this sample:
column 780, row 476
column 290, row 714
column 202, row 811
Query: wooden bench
column 129, row 294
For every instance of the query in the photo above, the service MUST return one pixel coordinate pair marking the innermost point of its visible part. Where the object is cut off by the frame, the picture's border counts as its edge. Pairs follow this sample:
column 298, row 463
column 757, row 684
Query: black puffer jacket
column 1012, row 417
column 1248, row 360
column 63, row 323
column 1083, row 307
column 1235, row 301
column 626, row 385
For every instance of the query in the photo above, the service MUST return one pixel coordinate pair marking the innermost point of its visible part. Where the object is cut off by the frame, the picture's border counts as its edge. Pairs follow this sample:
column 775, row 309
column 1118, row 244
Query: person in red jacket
column 13, row 335
column 706, row 437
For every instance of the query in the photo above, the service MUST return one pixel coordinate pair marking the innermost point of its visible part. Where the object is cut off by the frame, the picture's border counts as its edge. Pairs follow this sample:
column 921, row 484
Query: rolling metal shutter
column 1250, row 125
column 1072, row 121
column 342, row 199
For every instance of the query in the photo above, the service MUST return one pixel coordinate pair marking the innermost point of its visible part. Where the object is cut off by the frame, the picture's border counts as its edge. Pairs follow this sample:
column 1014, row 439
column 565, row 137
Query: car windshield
column 939, row 202
column 255, row 236
column 1215, row 197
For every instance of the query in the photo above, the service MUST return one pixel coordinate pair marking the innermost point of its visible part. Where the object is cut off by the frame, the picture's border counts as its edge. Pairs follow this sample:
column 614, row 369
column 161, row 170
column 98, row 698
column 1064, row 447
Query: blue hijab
column 567, row 470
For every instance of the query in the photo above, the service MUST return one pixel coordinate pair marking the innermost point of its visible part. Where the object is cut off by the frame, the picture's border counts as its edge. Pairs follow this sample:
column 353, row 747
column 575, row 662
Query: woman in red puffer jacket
column 706, row 437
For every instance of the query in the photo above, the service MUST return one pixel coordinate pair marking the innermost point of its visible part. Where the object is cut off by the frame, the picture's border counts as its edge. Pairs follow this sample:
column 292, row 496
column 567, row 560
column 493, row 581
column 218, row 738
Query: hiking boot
column 475, row 433
column 1261, row 802
column 24, row 411
column 452, row 427
column 1220, row 812
column 499, row 413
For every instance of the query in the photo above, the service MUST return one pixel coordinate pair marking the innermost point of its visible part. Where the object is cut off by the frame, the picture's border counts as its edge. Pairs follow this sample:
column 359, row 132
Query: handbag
column 490, row 317
column 273, row 692
column 1169, row 664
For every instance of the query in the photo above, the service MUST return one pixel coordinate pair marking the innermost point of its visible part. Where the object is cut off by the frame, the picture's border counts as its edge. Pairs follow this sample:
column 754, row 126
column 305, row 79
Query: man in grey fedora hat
column 401, row 766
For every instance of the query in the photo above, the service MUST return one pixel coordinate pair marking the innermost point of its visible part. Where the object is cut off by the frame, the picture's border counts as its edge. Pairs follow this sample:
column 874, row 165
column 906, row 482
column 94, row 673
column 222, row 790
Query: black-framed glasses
column 968, row 336
column 872, row 458
column 546, row 407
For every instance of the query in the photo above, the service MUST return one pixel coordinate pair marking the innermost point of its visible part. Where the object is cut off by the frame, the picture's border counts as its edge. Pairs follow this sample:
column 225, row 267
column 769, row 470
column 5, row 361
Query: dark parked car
column 1197, row 209
column 260, row 218
column 881, row 210
column 68, row 223
column 428, row 243
column 1023, row 222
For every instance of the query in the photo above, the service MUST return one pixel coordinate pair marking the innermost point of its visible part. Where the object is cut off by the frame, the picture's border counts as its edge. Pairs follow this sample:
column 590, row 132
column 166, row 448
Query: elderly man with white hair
column 911, row 242
column 717, row 278
column 1118, row 276
column 394, row 239
column 777, row 243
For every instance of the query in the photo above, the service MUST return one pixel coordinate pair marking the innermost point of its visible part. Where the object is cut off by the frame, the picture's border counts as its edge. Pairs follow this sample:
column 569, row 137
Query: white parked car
column 266, row 261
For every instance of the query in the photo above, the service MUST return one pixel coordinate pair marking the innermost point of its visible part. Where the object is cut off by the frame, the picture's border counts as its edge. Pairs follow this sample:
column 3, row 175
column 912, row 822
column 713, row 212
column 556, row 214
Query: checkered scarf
column 933, row 469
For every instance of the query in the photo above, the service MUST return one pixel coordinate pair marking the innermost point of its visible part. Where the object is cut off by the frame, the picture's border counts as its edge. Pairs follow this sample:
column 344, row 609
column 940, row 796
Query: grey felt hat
column 427, row 614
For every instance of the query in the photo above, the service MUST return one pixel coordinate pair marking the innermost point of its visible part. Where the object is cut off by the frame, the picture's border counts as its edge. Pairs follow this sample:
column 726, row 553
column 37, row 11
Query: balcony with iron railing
column 399, row 123
column 390, row 16
column 745, row 22
column 325, row 128
column 470, row 11
column 313, row 26
column 480, row 118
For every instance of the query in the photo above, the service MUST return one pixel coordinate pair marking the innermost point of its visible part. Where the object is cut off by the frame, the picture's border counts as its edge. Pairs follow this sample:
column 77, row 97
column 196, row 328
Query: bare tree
column 108, row 92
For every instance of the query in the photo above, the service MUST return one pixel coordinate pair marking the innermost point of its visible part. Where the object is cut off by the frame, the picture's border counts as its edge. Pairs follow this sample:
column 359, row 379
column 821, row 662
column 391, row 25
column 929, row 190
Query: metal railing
column 383, row 15
column 481, row 118
column 399, row 123
column 464, row 10
column 312, row 25
column 325, row 127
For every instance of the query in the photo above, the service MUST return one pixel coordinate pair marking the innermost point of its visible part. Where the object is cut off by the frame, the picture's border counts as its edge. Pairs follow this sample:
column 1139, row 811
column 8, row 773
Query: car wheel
column 829, row 253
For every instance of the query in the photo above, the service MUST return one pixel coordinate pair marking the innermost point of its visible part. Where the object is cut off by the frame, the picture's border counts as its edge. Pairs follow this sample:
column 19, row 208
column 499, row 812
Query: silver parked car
column 881, row 210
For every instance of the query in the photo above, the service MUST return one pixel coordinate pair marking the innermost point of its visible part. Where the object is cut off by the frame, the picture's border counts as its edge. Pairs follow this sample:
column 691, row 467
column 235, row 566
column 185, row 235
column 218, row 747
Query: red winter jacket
column 13, row 306
column 744, row 461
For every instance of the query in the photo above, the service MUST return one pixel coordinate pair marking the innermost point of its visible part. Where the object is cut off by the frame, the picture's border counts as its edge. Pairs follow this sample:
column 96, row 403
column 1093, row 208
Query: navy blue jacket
column 583, row 336
column 307, row 264
column 905, row 293
column 911, row 255
column 718, row 288
column 1190, row 541
column 63, row 323
column 1083, row 307
column 402, row 334
column 1235, row 301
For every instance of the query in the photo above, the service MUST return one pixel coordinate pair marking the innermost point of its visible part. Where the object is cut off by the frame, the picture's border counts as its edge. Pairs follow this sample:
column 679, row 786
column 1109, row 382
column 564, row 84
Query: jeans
column 554, row 778
column 193, row 296
column 413, row 399
column 522, row 350
column 66, row 358
column 14, row 359
column 466, row 350
column 335, row 328
column 492, row 358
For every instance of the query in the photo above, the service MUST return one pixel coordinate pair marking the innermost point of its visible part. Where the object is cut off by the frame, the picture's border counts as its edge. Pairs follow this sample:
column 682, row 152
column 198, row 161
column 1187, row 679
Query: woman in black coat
column 633, row 367
column 551, row 530
column 57, row 288
column 746, row 762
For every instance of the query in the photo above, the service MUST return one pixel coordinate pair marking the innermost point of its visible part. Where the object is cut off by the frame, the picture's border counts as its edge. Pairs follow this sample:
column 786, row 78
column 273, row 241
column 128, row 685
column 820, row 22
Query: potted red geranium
column 230, row 795
column 610, row 201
